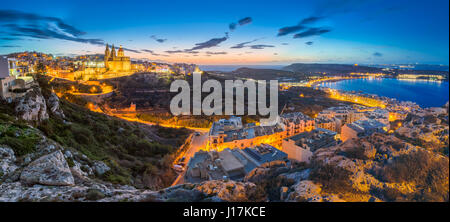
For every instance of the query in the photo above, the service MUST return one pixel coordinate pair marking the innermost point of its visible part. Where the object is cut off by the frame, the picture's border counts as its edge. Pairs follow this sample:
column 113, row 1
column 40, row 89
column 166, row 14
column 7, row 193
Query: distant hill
column 328, row 68
column 266, row 74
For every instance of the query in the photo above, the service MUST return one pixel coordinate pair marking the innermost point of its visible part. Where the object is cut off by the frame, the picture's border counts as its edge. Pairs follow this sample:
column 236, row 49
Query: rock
column 76, row 169
column 31, row 107
column 86, row 168
column 51, row 169
column 297, row 176
column 7, row 159
column 27, row 160
column 228, row 191
column 101, row 168
column 68, row 154
column 53, row 105
column 306, row 191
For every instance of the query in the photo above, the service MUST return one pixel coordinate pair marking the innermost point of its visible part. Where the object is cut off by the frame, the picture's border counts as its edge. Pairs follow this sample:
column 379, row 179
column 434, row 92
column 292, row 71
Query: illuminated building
column 232, row 133
column 10, row 79
column 296, row 123
column 333, row 123
column 117, row 62
column 346, row 114
column 362, row 128
column 301, row 147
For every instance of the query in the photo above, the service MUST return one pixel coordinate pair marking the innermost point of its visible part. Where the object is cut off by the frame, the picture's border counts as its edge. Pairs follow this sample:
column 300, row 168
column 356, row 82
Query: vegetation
column 167, row 119
column 126, row 147
column 334, row 179
column 427, row 170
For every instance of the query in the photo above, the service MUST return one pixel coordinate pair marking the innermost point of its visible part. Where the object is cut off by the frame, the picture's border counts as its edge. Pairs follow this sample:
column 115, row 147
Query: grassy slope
column 130, row 149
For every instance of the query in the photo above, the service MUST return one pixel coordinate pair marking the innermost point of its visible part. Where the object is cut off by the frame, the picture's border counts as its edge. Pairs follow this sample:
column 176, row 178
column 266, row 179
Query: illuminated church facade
column 116, row 62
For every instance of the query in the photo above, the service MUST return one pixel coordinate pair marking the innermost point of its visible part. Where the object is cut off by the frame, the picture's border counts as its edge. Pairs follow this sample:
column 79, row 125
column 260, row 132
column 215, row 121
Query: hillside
column 134, row 154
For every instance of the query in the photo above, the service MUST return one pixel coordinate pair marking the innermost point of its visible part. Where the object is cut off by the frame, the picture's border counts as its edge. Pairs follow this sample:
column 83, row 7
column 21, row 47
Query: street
column 198, row 142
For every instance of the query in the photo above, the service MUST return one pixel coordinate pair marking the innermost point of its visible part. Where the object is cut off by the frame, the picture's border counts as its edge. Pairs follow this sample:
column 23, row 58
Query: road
column 198, row 142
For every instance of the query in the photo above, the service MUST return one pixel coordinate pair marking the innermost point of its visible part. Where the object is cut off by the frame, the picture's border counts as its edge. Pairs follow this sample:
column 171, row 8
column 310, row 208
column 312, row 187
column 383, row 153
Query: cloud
column 245, row 21
column 312, row 32
column 131, row 50
column 10, row 46
column 208, row 44
column 261, row 46
column 10, row 39
column 216, row 53
column 300, row 26
column 309, row 43
column 284, row 43
column 377, row 54
column 158, row 39
column 174, row 51
column 243, row 44
column 152, row 52
column 311, row 19
column 22, row 24
column 186, row 51
column 290, row 29
column 232, row 26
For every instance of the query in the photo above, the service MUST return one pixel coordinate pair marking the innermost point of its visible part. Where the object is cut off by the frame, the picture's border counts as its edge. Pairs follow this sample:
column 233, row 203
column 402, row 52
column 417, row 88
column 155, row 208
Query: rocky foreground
column 382, row 167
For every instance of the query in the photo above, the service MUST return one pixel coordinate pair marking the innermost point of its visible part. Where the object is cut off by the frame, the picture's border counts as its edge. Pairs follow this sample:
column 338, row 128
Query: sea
column 426, row 93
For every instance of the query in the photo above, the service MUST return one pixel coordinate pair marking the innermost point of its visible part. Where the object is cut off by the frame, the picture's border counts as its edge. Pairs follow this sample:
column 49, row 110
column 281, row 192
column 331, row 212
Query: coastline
column 369, row 94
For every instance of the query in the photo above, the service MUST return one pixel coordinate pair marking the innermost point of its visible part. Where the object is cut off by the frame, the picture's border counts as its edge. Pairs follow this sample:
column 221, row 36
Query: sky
column 234, row 32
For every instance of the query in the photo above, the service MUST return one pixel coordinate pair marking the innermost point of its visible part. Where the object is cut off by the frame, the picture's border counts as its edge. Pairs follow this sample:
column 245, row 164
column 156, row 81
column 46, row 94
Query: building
column 302, row 146
column 333, row 123
column 229, row 163
column 362, row 128
column 296, row 123
column 117, row 62
column 231, row 133
column 347, row 114
column 381, row 115
column 8, row 75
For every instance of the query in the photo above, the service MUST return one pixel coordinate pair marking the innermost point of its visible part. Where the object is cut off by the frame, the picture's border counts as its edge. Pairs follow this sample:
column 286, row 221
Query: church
column 116, row 62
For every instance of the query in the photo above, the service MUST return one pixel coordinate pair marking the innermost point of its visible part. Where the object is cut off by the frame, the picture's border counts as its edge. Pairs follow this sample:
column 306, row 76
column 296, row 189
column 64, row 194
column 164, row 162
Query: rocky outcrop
column 308, row 191
column 7, row 161
column 100, row 168
column 51, row 169
column 228, row 191
column 53, row 105
column 32, row 106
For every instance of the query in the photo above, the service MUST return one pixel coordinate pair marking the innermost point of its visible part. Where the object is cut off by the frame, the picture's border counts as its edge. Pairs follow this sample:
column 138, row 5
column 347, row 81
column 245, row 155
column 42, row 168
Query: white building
column 362, row 128
column 8, row 75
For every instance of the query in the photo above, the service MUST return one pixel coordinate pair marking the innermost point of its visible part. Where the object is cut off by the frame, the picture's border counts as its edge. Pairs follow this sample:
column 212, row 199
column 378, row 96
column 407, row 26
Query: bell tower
column 113, row 52
column 107, row 55
column 120, row 52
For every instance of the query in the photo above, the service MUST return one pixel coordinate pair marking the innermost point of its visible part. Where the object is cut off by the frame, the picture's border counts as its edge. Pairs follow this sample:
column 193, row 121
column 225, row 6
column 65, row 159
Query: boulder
column 53, row 105
column 7, row 159
column 31, row 107
column 100, row 167
column 306, row 190
column 228, row 191
column 51, row 169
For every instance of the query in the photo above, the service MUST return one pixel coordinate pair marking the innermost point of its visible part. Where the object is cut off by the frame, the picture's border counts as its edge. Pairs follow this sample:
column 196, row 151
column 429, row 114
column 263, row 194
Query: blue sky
column 328, row 31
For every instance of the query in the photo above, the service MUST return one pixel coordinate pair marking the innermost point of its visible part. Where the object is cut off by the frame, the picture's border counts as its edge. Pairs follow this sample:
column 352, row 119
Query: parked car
column 178, row 168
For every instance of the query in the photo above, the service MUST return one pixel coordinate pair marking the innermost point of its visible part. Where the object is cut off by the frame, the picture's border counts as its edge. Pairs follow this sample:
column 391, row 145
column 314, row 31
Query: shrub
column 333, row 178
column 94, row 194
